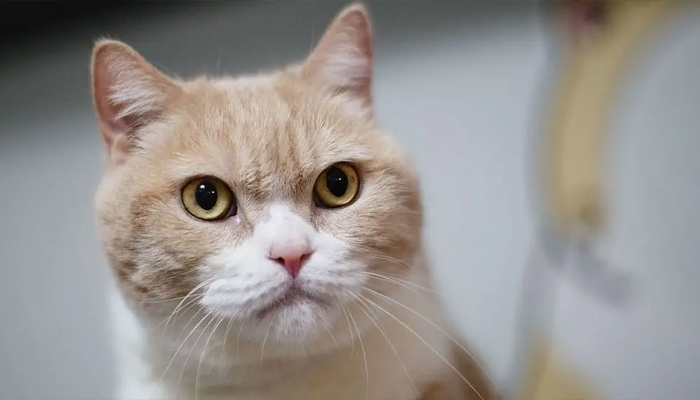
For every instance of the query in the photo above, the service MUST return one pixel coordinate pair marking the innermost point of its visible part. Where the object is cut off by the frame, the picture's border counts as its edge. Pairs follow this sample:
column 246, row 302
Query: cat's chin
column 294, row 298
column 297, row 318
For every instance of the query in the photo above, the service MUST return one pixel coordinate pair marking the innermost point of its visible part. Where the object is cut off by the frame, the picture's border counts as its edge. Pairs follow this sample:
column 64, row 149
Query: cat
column 265, row 235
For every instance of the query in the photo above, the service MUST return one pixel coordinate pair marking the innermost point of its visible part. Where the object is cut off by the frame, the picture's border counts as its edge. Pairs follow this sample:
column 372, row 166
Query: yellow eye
column 337, row 186
column 208, row 199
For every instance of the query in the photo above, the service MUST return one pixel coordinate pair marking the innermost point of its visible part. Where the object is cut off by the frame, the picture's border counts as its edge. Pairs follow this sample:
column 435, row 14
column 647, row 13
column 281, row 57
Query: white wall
column 458, row 82
column 651, row 348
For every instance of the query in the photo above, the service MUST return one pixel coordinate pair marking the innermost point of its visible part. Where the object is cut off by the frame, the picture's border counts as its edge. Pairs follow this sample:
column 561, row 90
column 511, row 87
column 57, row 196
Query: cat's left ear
column 128, row 93
column 343, row 57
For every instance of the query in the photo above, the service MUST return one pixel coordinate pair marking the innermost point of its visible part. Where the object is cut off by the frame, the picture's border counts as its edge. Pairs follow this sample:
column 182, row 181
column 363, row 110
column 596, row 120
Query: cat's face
column 272, row 199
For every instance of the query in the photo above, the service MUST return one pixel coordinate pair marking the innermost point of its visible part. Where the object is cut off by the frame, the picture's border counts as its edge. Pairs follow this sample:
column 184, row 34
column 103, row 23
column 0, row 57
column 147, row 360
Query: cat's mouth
column 293, row 297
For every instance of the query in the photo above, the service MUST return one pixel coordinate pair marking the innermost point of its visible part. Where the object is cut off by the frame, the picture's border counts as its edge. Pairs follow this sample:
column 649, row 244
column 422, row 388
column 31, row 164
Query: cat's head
column 271, row 199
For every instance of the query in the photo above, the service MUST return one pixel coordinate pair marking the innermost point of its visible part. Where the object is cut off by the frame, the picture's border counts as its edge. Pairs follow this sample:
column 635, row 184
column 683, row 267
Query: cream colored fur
column 189, row 293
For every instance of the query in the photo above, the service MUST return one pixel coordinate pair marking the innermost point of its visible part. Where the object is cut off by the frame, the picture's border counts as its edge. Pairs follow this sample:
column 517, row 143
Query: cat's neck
column 207, row 365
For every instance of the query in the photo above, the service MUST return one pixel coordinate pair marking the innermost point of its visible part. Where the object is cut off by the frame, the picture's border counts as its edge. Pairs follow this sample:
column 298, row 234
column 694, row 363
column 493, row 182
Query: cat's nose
column 292, row 258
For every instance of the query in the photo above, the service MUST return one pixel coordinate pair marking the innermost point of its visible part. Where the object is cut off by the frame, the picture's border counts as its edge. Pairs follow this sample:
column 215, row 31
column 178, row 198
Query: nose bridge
column 284, row 229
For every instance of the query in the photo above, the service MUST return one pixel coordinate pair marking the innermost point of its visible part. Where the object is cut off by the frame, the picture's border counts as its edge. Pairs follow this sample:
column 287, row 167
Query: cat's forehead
column 251, row 130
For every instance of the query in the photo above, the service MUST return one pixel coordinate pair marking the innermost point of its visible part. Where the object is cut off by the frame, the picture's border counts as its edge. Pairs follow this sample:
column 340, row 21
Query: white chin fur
column 245, row 283
column 298, row 323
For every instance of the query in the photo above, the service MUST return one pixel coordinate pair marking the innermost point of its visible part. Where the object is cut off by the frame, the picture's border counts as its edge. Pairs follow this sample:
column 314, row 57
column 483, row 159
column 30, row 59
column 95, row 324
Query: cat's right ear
column 342, row 59
column 128, row 92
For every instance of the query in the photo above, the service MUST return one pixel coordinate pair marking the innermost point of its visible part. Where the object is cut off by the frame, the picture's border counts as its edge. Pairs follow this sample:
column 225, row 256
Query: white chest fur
column 399, row 355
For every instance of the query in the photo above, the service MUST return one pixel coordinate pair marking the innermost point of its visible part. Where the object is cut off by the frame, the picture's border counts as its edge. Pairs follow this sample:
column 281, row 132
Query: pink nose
column 291, row 258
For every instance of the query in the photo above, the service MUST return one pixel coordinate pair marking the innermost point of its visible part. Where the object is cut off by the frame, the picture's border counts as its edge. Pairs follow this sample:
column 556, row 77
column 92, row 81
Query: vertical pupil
column 206, row 195
column 336, row 181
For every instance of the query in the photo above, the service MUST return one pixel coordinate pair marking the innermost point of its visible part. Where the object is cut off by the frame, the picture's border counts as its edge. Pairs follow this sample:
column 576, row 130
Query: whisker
column 396, row 281
column 383, row 333
column 172, row 359
column 204, row 354
column 262, row 348
column 352, row 336
column 326, row 326
column 201, row 285
column 427, row 344
column 397, row 276
column 238, row 339
column 371, row 254
column 434, row 325
column 406, row 282
column 190, row 303
column 158, row 301
column 364, row 355
column 194, row 345
column 223, row 344
column 188, row 323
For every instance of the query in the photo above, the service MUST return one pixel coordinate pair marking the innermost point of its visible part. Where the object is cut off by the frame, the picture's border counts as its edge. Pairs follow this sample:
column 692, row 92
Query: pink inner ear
column 114, row 131
column 107, row 112
column 343, row 56
column 128, row 92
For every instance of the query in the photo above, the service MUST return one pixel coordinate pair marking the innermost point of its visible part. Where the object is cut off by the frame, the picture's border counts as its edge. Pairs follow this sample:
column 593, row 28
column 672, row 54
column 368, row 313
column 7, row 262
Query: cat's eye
column 337, row 186
column 208, row 199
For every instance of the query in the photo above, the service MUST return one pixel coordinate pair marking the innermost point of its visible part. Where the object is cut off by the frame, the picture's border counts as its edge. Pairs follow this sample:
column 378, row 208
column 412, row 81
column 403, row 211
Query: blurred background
column 463, row 86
